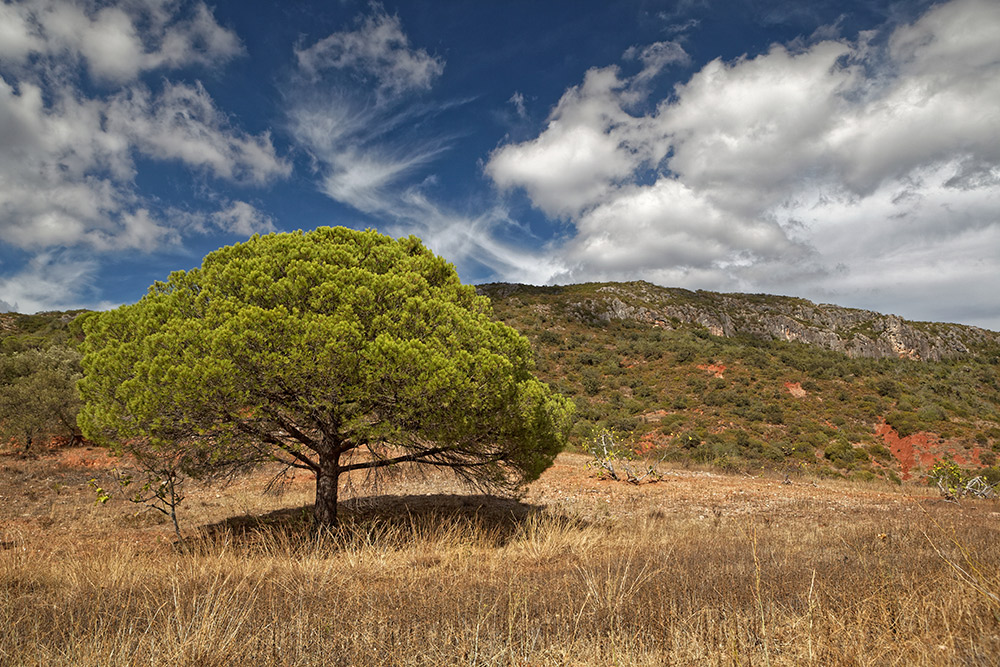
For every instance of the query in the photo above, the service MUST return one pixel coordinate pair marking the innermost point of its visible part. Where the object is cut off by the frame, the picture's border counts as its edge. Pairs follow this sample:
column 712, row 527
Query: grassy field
column 700, row 568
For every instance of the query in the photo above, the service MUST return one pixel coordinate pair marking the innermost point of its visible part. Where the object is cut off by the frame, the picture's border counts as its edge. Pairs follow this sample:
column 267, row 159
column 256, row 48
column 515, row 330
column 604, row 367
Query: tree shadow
column 384, row 519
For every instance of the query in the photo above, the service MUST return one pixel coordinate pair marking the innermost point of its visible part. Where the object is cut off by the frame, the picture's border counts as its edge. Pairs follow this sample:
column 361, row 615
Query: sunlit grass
column 472, row 581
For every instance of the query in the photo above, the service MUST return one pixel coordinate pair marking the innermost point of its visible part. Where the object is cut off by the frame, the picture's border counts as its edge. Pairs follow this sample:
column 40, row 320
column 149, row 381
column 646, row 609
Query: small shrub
column 549, row 337
column 880, row 451
column 888, row 388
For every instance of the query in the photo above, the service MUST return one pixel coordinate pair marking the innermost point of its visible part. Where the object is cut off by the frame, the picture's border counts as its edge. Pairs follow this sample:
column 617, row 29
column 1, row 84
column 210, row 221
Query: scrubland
column 700, row 568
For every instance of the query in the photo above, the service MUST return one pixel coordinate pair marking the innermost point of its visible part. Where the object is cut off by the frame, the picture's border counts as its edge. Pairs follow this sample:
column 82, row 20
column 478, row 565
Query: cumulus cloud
column 69, row 158
column 67, row 168
column 77, row 120
column 378, row 50
column 115, row 42
column 182, row 123
column 797, row 170
column 590, row 145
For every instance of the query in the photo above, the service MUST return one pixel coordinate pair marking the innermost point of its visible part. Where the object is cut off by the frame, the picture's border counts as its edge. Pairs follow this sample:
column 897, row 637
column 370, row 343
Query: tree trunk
column 327, row 482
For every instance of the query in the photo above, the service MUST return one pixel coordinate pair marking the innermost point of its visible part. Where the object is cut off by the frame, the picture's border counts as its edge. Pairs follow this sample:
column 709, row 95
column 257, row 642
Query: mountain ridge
column 855, row 332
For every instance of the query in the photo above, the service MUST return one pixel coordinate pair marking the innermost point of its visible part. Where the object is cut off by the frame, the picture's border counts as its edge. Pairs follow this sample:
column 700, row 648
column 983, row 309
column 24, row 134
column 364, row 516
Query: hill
column 739, row 381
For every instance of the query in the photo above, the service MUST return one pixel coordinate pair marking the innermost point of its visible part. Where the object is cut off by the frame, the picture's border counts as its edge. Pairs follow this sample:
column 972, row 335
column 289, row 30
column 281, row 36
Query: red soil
column 795, row 389
column 715, row 369
column 923, row 450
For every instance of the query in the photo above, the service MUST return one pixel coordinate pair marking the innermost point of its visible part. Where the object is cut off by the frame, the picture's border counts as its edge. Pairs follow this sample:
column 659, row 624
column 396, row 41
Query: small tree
column 38, row 395
column 159, row 487
column 332, row 351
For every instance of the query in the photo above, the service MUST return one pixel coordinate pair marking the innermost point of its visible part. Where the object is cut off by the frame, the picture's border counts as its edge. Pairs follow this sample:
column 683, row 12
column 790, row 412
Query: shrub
column 879, row 451
column 905, row 423
column 888, row 388
column 863, row 476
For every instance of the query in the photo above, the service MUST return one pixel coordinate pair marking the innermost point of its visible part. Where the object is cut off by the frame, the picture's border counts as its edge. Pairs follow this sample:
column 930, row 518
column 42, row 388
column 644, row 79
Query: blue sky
column 844, row 152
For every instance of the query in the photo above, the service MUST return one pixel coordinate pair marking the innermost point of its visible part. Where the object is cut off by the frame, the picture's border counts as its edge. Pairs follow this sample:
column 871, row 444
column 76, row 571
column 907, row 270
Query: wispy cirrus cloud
column 359, row 114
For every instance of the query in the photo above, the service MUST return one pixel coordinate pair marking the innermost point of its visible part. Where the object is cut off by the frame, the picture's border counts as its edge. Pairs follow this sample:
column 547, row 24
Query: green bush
column 905, row 423
column 931, row 413
column 888, row 388
column 842, row 454
column 879, row 451
column 591, row 382
column 549, row 337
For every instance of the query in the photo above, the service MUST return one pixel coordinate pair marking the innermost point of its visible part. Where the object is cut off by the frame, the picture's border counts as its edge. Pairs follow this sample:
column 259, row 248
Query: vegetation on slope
column 742, row 401
column 675, row 389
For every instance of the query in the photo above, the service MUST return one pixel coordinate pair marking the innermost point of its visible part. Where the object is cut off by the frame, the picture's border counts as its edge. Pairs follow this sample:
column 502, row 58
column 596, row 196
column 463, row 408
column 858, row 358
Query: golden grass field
column 698, row 569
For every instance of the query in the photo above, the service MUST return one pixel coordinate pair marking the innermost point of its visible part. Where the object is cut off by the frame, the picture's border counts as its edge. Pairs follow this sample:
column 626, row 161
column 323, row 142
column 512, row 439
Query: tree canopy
column 333, row 351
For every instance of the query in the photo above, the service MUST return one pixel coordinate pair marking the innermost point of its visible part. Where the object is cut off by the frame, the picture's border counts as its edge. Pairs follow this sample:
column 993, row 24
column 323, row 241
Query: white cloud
column 50, row 281
column 656, row 57
column 517, row 99
column 67, row 168
column 591, row 144
column 68, row 165
column 367, row 154
column 356, row 164
column 115, row 42
column 378, row 50
column 76, row 122
column 182, row 123
column 362, row 143
column 242, row 219
column 841, row 169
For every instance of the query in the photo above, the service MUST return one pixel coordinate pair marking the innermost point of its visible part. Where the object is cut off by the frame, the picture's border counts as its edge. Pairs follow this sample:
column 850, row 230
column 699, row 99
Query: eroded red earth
column 922, row 450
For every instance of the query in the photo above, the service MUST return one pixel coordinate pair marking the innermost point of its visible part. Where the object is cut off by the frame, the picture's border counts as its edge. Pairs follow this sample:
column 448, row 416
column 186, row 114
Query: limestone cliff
column 857, row 333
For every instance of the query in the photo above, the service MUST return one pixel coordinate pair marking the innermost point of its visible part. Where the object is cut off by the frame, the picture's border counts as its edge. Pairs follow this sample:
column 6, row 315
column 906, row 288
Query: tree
column 38, row 395
column 332, row 351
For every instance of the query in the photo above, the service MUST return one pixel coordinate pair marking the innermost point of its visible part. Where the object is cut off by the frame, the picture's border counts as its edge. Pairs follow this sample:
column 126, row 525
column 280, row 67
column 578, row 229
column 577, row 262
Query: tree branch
column 421, row 457
column 269, row 438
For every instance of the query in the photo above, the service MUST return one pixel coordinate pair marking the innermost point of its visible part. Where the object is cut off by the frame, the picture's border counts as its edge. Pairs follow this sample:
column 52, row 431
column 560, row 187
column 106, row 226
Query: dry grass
column 699, row 569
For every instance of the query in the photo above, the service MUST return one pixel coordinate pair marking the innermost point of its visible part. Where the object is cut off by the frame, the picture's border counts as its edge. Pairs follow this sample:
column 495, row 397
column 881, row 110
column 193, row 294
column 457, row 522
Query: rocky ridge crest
column 854, row 332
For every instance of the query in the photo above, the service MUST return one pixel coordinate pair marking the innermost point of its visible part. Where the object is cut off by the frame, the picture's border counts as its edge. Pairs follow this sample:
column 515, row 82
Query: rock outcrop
column 856, row 333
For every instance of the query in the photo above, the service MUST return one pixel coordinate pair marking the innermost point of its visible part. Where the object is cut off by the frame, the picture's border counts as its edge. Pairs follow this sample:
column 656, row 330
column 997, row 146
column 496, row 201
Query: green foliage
column 38, row 396
column 842, row 454
column 905, row 423
column 332, row 350
column 887, row 387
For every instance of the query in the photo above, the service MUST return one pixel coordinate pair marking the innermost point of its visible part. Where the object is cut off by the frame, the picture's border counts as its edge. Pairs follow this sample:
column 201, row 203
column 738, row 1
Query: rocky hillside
column 744, row 381
column 738, row 381
column 856, row 333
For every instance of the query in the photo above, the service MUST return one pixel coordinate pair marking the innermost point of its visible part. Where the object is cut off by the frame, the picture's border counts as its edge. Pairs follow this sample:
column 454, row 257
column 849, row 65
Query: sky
column 844, row 152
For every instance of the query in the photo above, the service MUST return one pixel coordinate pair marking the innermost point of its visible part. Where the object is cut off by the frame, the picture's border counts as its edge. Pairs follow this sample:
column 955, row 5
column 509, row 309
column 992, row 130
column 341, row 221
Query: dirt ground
column 49, row 500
